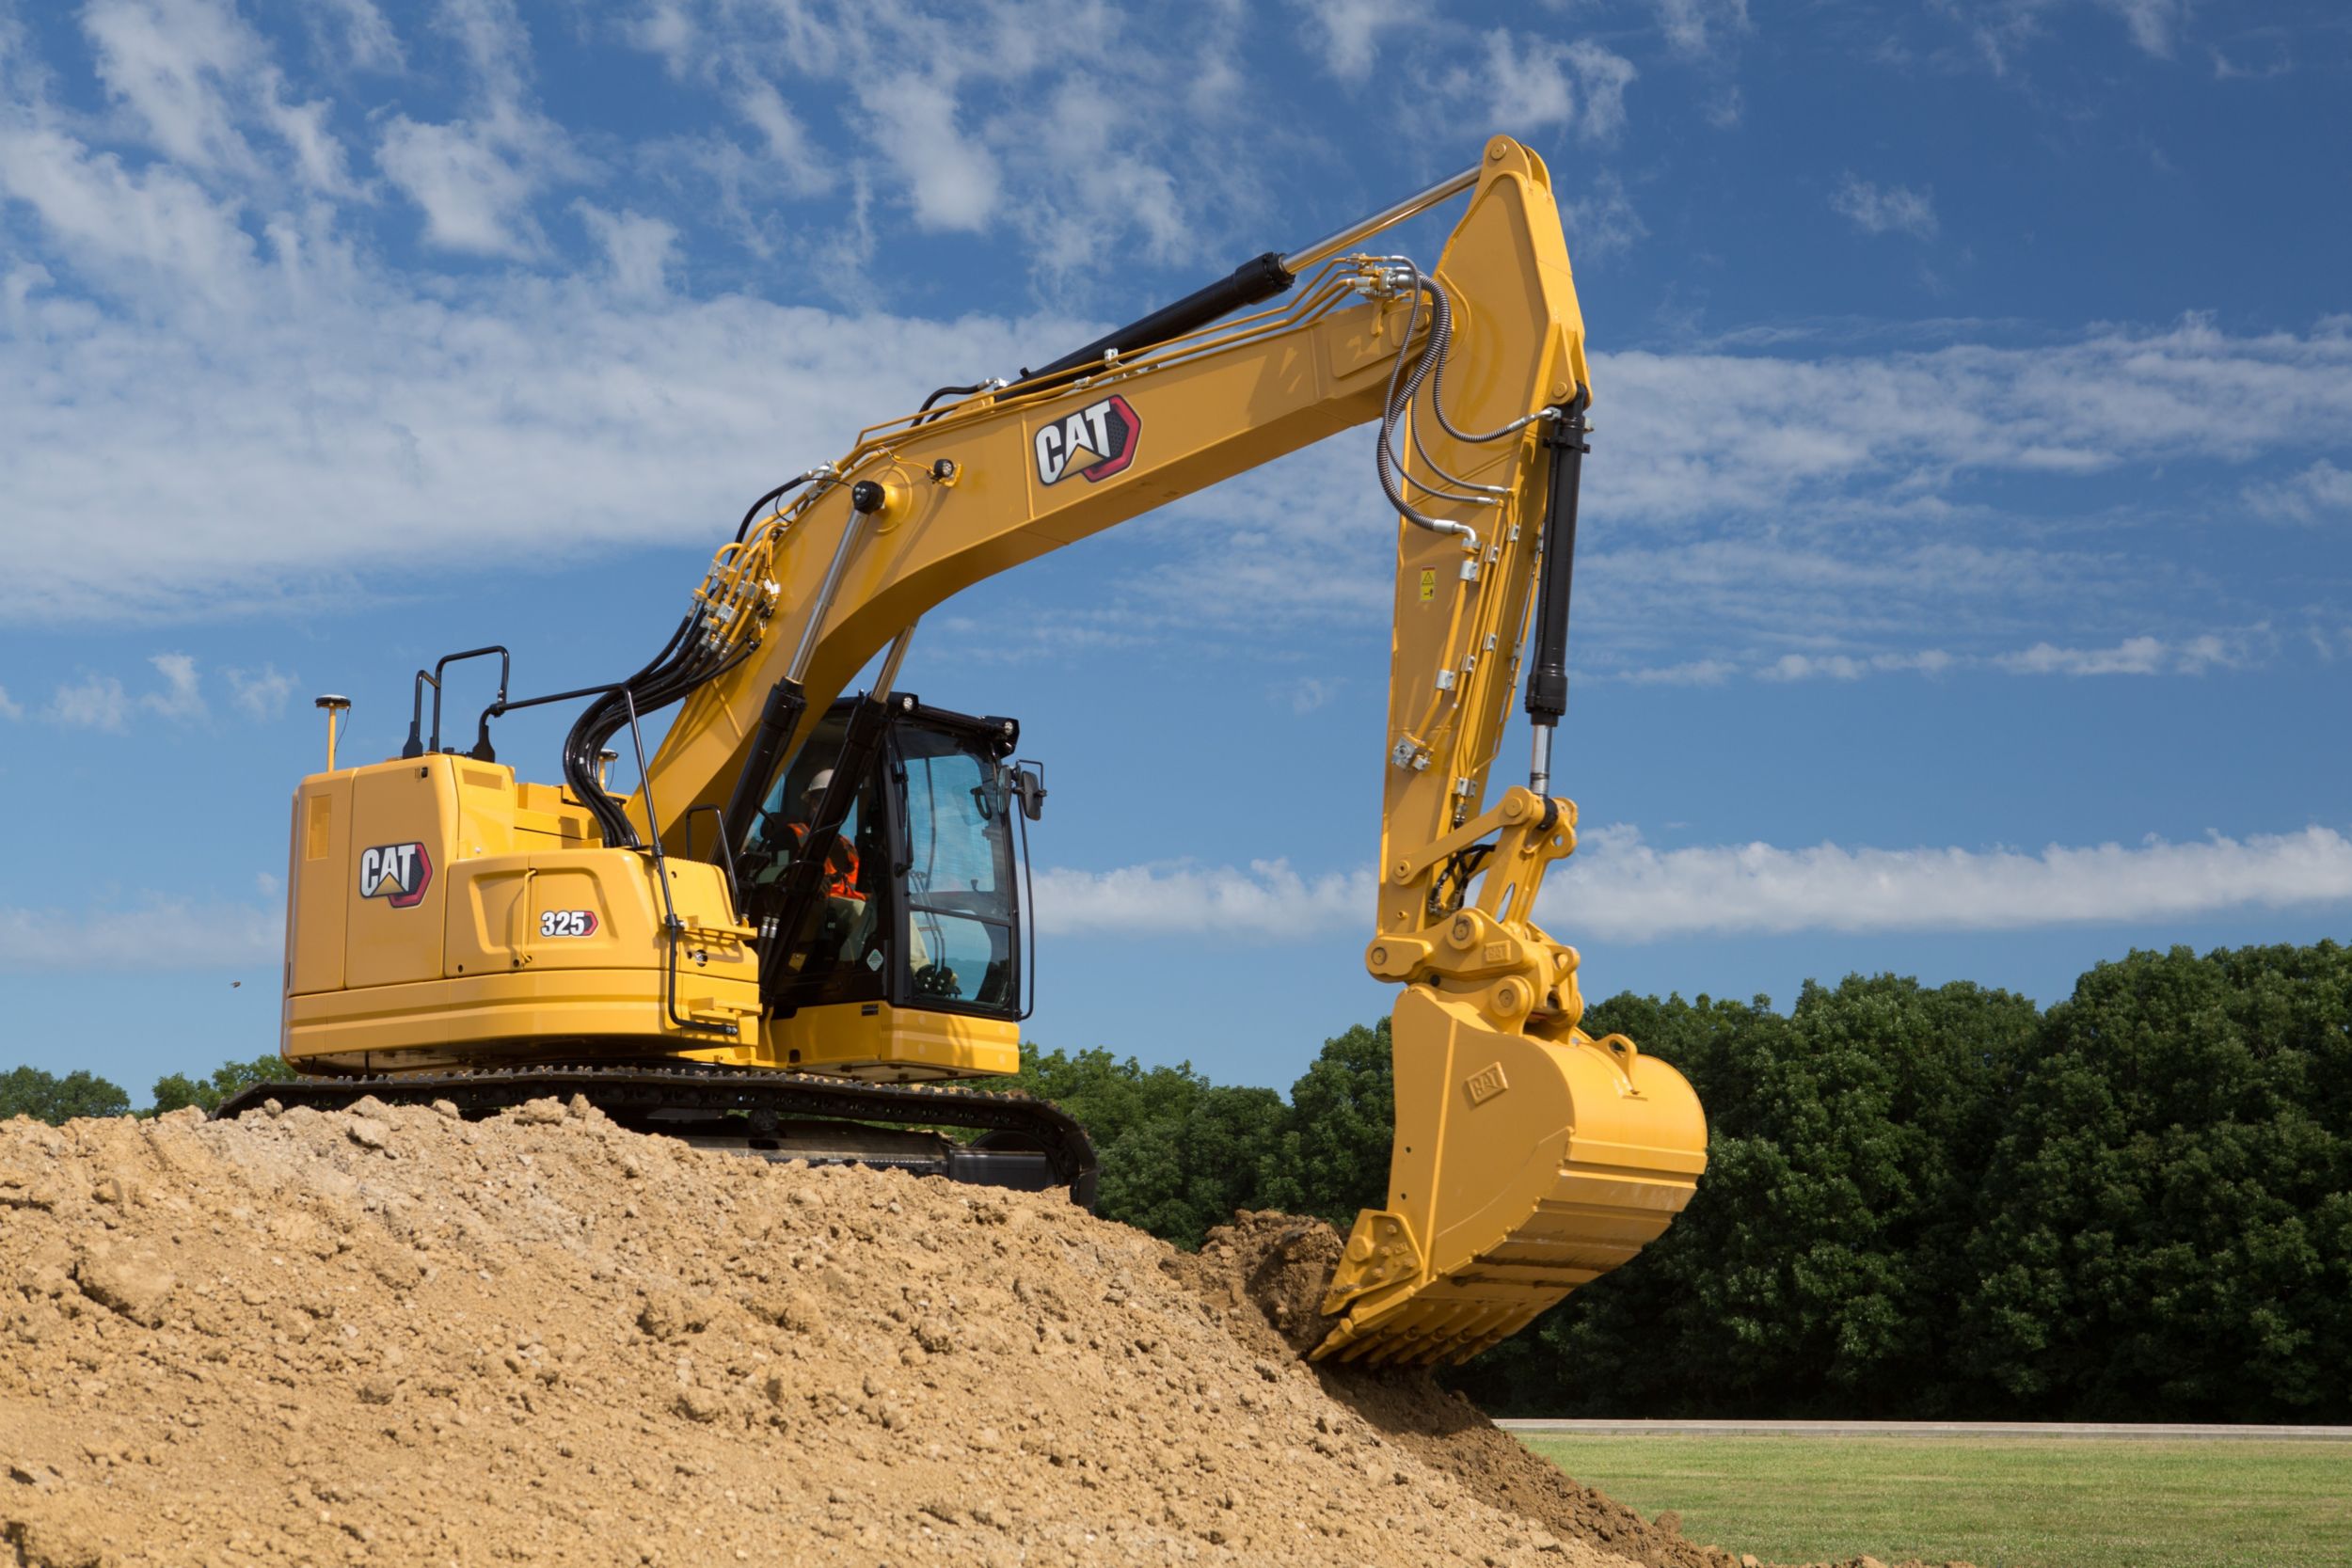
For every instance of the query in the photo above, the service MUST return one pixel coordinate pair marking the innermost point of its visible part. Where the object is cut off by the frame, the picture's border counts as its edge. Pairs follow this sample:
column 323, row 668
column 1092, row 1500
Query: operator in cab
column 841, row 867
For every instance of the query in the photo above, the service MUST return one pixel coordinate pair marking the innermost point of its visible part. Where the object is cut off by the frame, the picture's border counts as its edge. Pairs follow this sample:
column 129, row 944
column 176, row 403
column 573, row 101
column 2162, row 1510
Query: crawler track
column 649, row 1097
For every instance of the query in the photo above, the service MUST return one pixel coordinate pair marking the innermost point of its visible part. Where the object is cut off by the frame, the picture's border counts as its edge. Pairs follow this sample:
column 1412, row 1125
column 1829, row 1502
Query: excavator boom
column 773, row 897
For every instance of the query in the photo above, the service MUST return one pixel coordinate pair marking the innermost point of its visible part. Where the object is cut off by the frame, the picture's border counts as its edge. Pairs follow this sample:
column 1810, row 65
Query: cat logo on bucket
column 396, row 873
column 1096, row 442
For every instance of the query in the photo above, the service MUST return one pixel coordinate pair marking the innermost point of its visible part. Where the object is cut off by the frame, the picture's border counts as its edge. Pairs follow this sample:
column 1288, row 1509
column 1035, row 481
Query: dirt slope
column 395, row 1337
column 1267, row 1273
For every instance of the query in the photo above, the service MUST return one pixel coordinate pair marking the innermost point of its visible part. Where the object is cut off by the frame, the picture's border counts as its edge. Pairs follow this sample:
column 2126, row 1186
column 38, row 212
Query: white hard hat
column 823, row 780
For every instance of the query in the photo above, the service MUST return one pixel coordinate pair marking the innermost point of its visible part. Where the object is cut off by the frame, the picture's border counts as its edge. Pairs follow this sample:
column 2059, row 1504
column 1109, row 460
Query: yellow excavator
column 803, row 933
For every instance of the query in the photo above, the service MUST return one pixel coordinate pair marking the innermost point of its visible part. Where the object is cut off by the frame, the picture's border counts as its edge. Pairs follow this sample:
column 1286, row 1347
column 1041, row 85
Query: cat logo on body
column 396, row 873
column 1096, row 442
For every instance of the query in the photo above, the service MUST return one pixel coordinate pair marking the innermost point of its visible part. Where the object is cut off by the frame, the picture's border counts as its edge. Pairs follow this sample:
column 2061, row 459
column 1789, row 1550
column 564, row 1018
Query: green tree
column 1817, row 1265
column 176, row 1090
column 2169, row 1234
column 1331, row 1156
column 27, row 1091
column 1179, row 1154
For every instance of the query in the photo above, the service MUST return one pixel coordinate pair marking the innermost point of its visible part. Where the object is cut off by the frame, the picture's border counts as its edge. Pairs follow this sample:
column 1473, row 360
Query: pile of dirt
column 394, row 1336
column 1266, row 1273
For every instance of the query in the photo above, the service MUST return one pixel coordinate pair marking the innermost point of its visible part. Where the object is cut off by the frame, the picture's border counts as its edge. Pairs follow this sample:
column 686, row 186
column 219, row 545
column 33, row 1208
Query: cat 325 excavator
column 807, row 924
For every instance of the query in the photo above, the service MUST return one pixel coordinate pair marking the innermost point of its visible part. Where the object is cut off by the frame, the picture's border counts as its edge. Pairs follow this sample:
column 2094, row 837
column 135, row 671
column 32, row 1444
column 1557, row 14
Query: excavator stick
column 1523, row 1168
column 1529, row 1157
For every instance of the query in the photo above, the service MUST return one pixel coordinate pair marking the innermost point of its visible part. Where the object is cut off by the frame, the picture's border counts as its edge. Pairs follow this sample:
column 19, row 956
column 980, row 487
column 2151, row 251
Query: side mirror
column 1028, row 787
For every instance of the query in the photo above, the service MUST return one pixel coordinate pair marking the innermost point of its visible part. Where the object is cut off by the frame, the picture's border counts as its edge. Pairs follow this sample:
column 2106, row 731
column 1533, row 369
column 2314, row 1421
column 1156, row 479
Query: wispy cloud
column 473, row 177
column 10, row 708
column 1266, row 899
column 1347, row 33
column 1845, row 667
column 2321, row 491
column 182, row 698
column 2134, row 656
column 1526, row 83
column 166, row 933
column 1889, row 209
column 92, row 702
column 2003, row 30
column 1600, row 220
column 261, row 695
column 1619, row 886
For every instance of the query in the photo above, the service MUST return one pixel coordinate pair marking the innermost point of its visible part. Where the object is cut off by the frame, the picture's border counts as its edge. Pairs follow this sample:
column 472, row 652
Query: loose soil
column 394, row 1335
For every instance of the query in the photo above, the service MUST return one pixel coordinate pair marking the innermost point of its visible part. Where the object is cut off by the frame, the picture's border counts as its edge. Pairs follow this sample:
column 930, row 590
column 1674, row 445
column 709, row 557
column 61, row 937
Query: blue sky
column 1965, row 545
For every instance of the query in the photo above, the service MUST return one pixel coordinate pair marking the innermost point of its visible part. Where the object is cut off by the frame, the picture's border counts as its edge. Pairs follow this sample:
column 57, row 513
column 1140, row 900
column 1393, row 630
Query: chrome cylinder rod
column 1331, row 245
column 823, row 605
column 889, row 676
column 1539, row 765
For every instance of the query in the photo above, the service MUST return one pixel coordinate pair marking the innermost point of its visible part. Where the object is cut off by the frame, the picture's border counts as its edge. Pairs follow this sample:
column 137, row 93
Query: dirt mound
column 1266, row 1273
column 395, row 1337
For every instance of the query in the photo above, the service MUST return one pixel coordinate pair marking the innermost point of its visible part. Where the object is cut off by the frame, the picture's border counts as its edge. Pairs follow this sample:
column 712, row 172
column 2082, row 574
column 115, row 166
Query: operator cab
column 915, row 901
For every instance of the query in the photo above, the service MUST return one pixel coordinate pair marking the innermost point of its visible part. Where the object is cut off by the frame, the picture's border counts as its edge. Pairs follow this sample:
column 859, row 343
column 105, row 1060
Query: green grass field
column 1999, row 1503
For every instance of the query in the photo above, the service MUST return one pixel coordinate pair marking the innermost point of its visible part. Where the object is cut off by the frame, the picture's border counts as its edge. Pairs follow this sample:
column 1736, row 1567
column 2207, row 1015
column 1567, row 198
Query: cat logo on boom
column 1096, row 442
column 396, row 873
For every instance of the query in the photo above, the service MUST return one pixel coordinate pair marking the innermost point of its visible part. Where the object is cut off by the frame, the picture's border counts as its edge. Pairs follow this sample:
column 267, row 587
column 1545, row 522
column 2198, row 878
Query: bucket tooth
column 1523, row 1168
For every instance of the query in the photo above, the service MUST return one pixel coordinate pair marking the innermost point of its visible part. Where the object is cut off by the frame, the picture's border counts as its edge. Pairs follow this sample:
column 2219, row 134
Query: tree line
column 1920, row 1201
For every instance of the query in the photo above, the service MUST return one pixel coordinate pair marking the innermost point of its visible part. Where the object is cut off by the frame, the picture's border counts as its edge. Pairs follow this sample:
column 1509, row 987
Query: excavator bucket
column 1523, row 1168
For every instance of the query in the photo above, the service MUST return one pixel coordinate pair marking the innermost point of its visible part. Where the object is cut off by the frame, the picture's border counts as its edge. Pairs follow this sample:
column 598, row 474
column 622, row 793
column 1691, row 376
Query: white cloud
column 182, row 698
column 166, row 933
column 134, row 229
column 1893, row 209
column 474, row 177
column 1600, row 222
column 1309, row 692
column 1348, row 31
column 2151, row 23
column 92, row 702
column 1603, row 77
column 263, row 695
column 1618, row 887
column 667, row 28
column 368, row 40
column 637, row 250
column 319, row 158
column 189, row 70
column 951, row 179
column 1698, row 671
column 2134, row 656
column 2322, row 490
column 473, row 195
column 1698, row 26
column 1524, row 84
column 170, row 60
column 1268, row 899
column 513, row 415
column 9, row 707
column 2001, row 29
column 1708, row 433
column 805, row 164
column 1847, row 667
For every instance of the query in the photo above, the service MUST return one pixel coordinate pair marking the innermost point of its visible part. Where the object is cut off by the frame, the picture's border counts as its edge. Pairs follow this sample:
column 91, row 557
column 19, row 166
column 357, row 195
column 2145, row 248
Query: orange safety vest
column 840, row 863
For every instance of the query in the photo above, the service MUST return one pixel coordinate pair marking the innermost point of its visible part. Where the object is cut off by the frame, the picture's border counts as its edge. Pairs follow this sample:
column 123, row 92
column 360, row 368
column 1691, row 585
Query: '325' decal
column 568, row 922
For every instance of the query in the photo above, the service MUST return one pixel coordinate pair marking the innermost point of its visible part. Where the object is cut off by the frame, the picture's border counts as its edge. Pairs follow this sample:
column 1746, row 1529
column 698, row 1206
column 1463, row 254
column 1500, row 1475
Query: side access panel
column 403, row 838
